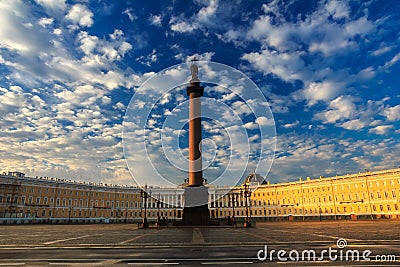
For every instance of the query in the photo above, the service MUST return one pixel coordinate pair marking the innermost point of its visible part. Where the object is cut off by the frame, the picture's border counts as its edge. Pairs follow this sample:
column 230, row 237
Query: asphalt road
column 121, row 244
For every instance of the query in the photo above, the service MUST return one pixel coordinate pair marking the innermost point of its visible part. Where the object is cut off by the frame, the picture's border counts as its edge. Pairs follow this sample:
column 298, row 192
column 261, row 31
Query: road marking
column 153, row 263
column 110, row 261
column 140, row 236
column 254, row 235
column 198, row 237
column 67, row 239
column 73, row 263
column 226, row 262
column 320, row 235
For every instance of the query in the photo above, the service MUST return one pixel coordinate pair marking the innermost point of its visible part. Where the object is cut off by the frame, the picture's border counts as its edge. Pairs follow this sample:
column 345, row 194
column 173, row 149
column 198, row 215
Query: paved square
column 123, row 244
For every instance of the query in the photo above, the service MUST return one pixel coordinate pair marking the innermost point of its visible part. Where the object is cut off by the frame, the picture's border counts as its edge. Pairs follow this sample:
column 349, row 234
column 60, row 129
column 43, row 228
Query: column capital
column 195, row 88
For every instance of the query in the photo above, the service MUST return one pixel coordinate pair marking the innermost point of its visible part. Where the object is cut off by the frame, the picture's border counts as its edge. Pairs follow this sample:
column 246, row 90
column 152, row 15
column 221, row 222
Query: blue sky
column 328, row 69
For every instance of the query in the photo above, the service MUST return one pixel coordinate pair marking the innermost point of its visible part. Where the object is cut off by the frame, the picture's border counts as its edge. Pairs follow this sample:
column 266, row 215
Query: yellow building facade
column 42, row 199
column 367, row 195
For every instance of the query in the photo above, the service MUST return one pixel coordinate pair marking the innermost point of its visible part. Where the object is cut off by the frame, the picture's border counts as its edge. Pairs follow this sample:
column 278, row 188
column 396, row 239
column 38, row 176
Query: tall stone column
column 195, row 212
column 195, row 91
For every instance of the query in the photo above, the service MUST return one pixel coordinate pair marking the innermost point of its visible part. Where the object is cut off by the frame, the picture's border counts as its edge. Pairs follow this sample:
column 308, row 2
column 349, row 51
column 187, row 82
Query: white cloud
column 88, row 42
column 381, row 129
column 324, row 34
column 338, row 9
column 80, row 14
column 101, row 51
column 291, row 125
column 56, row 5
column 156, row 20
column 251, row 126
column 57, row 31
column 149, row 59
column 46, row 21
column 117, row 33
column 382, row 50
column 16, row 31
column 207, row 13
column 322, row 91
column 338, row 109
column 130, row 14
column 392, row 113
column 393, row 61
column 286, row 66
column 182, row 26
column 264, row 121
column 356, row 124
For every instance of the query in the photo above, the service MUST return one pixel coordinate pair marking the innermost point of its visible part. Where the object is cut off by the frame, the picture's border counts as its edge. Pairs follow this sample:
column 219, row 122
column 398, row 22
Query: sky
column 71, row 71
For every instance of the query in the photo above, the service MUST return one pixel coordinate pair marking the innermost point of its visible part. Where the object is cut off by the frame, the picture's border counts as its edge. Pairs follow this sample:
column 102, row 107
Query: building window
column 45, row 200
column 38, row 200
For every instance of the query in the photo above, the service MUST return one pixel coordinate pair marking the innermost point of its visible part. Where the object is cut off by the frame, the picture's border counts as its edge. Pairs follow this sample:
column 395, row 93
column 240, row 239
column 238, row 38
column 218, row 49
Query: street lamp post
column 174, row 203
column 246, row 193
column 144, row 196
column 158, row 210
column 320, row 212
column 265, row 212
column 69, row 214
column 233, row 198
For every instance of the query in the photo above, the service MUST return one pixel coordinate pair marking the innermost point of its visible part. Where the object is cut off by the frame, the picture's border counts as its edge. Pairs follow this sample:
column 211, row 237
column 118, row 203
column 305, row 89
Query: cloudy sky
column 329, row 71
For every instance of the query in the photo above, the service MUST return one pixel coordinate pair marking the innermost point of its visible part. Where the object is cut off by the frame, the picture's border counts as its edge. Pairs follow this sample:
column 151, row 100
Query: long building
column 367, row 195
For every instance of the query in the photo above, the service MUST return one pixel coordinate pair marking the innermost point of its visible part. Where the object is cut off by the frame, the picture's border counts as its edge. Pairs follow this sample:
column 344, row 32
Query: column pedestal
column 195, row 212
